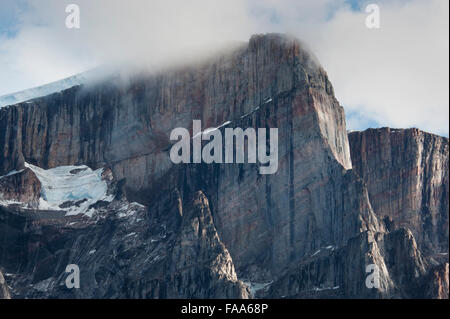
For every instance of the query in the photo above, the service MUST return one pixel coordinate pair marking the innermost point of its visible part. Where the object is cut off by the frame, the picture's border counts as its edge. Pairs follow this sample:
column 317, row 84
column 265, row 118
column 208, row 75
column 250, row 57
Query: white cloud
column 396, row 75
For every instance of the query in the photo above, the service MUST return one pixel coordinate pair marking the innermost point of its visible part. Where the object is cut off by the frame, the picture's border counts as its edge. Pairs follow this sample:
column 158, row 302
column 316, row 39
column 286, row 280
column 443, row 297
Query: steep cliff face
column 127, row 128
column 199, row 246
column 121, row 252
column 199, row 230
column 406, row 173
column 342, row 272
column 437, row 282
column 128, row 123
column 20, row 187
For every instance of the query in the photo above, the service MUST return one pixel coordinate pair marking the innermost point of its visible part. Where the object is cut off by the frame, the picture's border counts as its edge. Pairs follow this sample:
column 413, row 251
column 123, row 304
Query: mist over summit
column 338, row 204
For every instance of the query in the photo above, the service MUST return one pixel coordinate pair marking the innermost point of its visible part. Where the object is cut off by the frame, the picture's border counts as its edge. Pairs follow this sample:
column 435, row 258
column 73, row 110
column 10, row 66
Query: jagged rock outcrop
column 199, row 246
column 201, row 229
column 436, row 284
column 4, row 291
column 334, row 272
column 406, row 173
column 21, row 187
column 122, row 251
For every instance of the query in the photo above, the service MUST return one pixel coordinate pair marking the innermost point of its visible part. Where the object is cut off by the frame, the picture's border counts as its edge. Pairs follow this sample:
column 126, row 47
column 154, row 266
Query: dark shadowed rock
column 21, row 186
column 436, row 284
column 201, row 264
column 122, row 252
column 4, row 291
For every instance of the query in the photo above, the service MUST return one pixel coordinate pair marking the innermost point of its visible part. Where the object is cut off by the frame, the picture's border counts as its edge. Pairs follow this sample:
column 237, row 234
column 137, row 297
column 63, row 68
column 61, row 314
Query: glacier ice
column 76, row 184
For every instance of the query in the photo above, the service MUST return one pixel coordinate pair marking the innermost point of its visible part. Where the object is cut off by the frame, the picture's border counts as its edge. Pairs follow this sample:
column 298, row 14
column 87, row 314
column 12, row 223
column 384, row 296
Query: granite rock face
column 342, row 272
column 437, row 281
column 406, row 173
column 21, row 186
column 208, row 230
column 199, row 246
column 121, row 252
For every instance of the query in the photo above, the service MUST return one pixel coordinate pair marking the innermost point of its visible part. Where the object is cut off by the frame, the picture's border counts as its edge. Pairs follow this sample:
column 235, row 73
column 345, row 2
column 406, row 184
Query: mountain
column 86, row 78
column 87, row 179
column 29, row 94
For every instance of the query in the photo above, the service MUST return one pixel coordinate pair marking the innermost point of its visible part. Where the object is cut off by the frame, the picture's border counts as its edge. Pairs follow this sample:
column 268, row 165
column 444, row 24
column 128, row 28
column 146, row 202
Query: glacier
column 90, row 76
column 40, row 91
column 65, row 184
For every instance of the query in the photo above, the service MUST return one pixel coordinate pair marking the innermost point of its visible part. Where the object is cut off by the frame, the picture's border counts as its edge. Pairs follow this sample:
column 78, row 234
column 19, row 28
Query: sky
column 396, row 75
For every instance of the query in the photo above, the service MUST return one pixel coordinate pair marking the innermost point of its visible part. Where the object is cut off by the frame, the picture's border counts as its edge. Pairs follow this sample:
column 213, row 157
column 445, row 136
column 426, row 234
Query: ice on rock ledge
column 88, row 77
column 14, row 172
column 254, row 287
column 79, row 185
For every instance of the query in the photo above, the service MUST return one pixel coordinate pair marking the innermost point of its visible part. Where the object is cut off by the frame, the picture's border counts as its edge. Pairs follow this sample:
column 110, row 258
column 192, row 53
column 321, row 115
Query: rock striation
column 164, row 230
column 121, row 251
column 406, row 173
column 20, row 187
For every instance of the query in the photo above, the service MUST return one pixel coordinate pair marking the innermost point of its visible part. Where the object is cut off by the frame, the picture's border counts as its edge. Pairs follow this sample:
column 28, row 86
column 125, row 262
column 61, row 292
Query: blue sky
column 8, row 18
column 394, row 76
column 10, row 12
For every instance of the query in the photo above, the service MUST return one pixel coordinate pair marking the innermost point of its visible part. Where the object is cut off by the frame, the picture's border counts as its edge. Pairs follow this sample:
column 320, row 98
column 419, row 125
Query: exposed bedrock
column 22, row 187
column 406, row 173
column 4, row 291
column 122, row 252
column 309, row 230
column 274, row 219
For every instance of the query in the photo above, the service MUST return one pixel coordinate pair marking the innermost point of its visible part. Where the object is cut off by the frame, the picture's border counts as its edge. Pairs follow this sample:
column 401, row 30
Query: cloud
column 154, row 32
column 395, row 76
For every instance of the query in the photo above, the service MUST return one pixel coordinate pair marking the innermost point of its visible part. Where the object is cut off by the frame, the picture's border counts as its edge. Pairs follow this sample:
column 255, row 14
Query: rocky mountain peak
column 93, row 161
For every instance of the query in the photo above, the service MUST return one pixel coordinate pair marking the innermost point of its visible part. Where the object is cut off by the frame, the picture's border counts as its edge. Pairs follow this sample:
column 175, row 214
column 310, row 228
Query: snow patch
column 87, row 77
column 6, row 202
column 211, row 129
column 14, row 172
column 130, row 234
column 316, row 253
column 76, row 187
column 327, row 247
column 326, row 288
column 129, row 209
column 40, row 91
column 44, row 285
column 254, row 287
